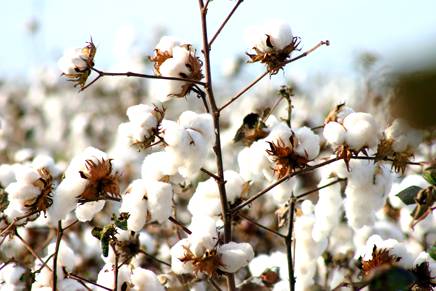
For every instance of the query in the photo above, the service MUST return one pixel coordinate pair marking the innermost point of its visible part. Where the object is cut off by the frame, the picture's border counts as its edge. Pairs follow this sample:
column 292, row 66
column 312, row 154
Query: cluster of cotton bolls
column 82, row 178
column 11, row 277
column 201, row 252
column 146, row 197
column 207, row 193
column 32, row 189
column 368, row 185
column 256, row 164
column 174, row 59
column 358, row 130
column 403, row 136
column 187, row 145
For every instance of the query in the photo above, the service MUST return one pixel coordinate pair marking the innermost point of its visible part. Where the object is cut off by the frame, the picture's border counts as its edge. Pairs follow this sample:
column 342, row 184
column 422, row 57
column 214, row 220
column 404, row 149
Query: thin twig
column 138, row 75
column 29, row 248
column 70, row 225
column 79, row 278
column 224, row 22
column 318, row 188
column 16, row 219
column 240, row 93
column 210, row 173
column 154, row 258
column 261, row 226
column 249, row 86
column 179, row 224
column 226, row 215
column 278, row 182
column 55, row 258
column 389, row 160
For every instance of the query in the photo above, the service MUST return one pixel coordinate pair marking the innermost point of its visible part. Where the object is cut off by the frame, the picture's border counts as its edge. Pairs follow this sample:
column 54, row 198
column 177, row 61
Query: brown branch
column 389, row 160
column 179, row 224
column 102, row 74
column 29, row 248
column 115, row 266
column 214, row 284
column 70, row 225
column 16, row 219
column 278, row 182
column 288, row 242
column 224, row 22
column 227, row 216
column 59, row 234
column 261, row 226
column 318, row 188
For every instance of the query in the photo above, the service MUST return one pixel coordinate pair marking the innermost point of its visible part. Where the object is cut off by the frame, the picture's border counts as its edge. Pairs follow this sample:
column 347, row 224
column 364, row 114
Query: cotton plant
column 194, row 195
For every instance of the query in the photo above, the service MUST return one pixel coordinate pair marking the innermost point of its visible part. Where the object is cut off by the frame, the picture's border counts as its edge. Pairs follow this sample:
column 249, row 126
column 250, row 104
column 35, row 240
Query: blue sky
column 397, row 30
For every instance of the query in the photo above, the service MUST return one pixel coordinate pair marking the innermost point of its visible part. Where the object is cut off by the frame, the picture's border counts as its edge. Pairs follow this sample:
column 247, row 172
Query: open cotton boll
column 145, row 280
column 424, row 257
column 87, row 211
column 235, row 256
column 234, row 185
column 259, row 264
column 282, row 192
column 177, row 253
column 334, row 133
column 159, row 200
column 26, row 174
column 7, row 174
column 280, row 35
column 403, row 136
column 106, row 276
column 308, row 143
column 280, row 132
column 167, row 43
column 253, row 162
column 158, row 165
column 135, row 204
column 72, row 60
column 47, row 162
column 362, row 130
column 11, row 274
column 202, row 123
column 66, row 256
column 65, row 198
column 327, row 209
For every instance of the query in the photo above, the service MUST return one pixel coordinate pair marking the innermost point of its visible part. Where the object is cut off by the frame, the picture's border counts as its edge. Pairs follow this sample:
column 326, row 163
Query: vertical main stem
column 59, row 234
column 226, row 214
column 288, row 241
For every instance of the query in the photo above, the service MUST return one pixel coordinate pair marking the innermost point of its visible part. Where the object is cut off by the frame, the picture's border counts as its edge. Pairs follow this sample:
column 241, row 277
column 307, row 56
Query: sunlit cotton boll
column 235, row 256
column 106, row 276
column 279, row 33
column 362, row 130
column 72, row 61
column 334, row 133
column 403, row 136
column 10, row 275
column 159, row 196
column 308, row 143
column 135, row 204
column 167, row 43
column 145, row 280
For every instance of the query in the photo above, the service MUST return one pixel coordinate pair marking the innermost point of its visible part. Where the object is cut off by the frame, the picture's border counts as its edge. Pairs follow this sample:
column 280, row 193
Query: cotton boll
column 424, row 257
column 158, row 165
column 308, row 143
column 11, row 274
column 259, row 264
column 87, row 211
column 66, row 256
column 145, row 280
column 235, row 256
column 44, row 161
column 159, row 196
column 65, row 198
column 253, row 162
column 327, row 209
column 177, row 253
column 71, row 285
column 282, row 285
column 26, row 175
column 234, row 185
column 362, row 130
column 106, row 276
column 7, row 174
column 403, row 136
column 200, row 122
column 135, row 204
column 334, row 133
column 167, row 43
column 282, row 192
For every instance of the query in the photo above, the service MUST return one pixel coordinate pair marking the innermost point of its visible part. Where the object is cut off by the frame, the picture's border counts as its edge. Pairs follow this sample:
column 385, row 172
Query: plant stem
column 55, row 257
column 224, row 22
column 179, row 224
column 79, row 278
column 154, row 258
column 226, row 214
column 288, row 242
column 298, row 197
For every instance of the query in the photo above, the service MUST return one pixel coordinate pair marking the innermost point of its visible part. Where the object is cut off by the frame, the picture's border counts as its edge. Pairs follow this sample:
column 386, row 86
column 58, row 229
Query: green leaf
column 393, row 279
column 432, row 252
column 408, row 195
column 430, row 175
column 121, row 221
